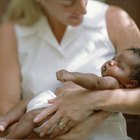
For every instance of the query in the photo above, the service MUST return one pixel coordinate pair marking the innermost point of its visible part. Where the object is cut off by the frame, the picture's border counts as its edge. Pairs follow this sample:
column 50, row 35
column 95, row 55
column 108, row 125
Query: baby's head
column 125, row 67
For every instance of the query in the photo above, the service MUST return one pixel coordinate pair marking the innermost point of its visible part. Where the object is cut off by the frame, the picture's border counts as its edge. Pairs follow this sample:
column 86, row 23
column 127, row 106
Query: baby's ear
column 131, row 84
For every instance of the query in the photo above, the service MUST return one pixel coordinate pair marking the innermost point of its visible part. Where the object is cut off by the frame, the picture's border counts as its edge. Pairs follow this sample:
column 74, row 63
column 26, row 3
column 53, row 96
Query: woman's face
column 67, row 12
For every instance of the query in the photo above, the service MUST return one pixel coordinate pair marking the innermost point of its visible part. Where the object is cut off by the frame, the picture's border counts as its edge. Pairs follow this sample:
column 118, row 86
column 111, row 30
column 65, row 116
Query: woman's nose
column 81, row 7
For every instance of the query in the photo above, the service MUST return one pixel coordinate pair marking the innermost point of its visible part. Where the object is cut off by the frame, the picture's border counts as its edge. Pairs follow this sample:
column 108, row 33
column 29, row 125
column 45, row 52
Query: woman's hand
column 69, row 108
column 13, row 115
column 85, row 129
column 9, row 120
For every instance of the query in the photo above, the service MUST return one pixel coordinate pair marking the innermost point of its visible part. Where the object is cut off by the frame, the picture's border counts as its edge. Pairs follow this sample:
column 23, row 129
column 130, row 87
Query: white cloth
column 83, row 49
column 40, row 101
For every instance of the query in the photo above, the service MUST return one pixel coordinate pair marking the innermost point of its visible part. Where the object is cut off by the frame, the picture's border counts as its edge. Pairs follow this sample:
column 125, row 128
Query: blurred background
column 133, row 8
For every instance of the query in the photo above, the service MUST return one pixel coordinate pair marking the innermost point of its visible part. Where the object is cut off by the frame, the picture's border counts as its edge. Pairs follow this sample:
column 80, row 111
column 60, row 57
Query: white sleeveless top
column 83, row 49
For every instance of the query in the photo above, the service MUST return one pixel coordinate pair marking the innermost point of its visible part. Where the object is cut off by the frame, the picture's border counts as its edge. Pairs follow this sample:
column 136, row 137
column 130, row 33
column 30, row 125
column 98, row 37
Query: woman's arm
column 123, row 33
column 122, row 30
column 10, row 91
column 10, row 78
column 119, row 100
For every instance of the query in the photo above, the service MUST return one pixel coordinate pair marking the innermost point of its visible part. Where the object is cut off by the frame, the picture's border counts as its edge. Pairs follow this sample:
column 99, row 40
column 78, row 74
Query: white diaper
column 40, row 101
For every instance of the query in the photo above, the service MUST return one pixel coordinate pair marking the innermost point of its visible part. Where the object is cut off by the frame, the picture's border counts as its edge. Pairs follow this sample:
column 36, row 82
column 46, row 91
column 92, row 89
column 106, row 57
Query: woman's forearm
column 119, row 100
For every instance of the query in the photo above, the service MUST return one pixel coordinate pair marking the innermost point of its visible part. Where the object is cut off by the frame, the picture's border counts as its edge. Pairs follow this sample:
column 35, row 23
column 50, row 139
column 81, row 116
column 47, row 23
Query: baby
column 121, row 72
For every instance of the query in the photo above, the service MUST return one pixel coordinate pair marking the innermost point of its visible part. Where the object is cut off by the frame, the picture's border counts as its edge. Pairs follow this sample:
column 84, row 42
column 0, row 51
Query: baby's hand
column 64, row 76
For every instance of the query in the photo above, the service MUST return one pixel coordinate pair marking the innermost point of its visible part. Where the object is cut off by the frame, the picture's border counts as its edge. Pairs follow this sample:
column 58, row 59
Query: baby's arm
column 89, row 81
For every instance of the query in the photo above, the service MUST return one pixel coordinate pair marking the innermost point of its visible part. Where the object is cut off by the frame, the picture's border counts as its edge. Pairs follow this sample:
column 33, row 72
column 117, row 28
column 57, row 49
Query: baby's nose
column 112, row 63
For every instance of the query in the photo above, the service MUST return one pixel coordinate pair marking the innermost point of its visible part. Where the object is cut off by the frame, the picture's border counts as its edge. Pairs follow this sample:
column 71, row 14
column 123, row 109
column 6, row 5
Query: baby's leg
column 24, row 127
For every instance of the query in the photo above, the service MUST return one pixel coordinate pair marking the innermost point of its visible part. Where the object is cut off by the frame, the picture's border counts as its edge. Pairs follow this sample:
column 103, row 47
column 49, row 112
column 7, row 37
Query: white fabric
column 84, row 49
column 40, row 101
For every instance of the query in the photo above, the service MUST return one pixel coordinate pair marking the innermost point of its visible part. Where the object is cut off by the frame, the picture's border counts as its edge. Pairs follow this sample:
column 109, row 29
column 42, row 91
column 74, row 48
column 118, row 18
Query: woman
column 40, row 37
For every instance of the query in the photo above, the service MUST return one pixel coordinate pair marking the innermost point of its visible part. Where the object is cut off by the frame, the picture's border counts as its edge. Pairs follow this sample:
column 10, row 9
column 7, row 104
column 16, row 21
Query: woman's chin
column 76, row 22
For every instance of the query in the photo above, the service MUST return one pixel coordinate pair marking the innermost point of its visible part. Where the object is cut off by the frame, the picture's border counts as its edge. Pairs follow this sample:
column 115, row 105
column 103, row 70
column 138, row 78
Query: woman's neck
column 57, row 28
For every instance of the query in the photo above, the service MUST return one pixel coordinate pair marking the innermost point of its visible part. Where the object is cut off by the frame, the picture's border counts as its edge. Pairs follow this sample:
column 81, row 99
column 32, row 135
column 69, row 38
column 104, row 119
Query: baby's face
column 121, row 66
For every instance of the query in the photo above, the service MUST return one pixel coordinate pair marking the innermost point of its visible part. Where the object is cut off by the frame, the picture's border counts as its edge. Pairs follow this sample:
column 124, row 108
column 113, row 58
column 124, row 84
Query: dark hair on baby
column 136, row 72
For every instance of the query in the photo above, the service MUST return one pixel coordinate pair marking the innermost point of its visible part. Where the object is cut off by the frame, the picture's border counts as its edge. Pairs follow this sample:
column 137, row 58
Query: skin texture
column 122, row 32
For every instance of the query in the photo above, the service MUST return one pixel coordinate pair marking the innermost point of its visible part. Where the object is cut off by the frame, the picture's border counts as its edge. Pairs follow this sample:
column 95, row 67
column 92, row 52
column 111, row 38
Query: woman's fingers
column 45, row 113
column 70, row 124
column 60, row 127
column 2, row 127
column 5, row 121
column 53, row 121
column 13, row 115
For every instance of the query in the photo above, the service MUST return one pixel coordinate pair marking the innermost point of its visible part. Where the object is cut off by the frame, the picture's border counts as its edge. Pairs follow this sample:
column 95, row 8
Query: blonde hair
column 24, row 12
